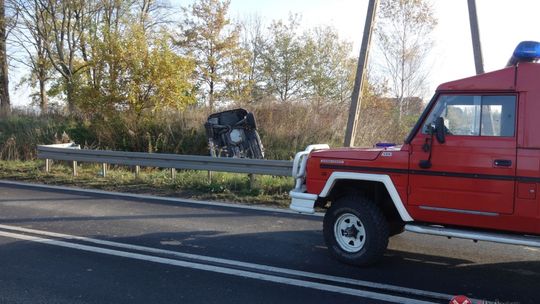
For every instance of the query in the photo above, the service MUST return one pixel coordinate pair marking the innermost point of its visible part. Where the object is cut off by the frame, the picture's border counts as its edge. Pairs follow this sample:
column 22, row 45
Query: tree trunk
column 211, row 96
column 43, row 98
column 400, row 102
column 5, row 104
column 69, row 95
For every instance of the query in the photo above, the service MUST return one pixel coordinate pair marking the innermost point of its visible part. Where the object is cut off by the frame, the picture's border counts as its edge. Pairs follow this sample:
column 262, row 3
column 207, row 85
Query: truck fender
column 382, row 178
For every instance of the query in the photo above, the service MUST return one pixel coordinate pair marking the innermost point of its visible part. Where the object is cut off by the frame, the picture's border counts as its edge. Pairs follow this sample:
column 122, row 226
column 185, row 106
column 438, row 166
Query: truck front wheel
column 355, row 231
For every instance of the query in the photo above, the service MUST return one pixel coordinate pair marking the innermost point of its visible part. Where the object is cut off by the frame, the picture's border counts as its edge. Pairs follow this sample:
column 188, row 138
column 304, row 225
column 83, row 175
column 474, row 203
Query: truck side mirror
column 440, row 130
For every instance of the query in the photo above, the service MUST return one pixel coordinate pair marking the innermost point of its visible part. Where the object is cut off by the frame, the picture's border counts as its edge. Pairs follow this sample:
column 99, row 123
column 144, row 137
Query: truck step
column 514, row 239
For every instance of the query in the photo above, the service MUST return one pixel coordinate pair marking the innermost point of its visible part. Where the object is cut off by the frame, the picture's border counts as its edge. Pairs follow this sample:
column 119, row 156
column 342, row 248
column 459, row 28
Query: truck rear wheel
column 355, row 231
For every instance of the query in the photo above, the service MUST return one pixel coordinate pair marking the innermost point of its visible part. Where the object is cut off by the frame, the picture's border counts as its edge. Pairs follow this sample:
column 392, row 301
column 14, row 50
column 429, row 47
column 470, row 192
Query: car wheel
column 255, row 145
column 355, row 231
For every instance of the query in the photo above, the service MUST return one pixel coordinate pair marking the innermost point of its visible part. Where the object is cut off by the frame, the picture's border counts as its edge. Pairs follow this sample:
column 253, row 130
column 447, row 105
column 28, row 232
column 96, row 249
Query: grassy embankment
column 266, row 190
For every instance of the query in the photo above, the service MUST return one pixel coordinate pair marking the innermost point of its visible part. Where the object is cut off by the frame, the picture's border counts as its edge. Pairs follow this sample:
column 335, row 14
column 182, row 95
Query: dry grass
column 285, row 128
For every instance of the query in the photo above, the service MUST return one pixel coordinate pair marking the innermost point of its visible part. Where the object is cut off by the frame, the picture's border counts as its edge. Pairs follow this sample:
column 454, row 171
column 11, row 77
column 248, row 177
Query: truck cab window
column 475, row 115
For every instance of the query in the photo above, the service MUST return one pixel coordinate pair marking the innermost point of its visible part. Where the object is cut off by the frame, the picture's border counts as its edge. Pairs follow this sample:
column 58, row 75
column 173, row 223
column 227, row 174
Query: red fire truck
column 470, row 169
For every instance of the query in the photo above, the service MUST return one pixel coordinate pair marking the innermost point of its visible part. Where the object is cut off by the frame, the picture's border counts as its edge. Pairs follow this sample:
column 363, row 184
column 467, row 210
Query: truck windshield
column 475, row 115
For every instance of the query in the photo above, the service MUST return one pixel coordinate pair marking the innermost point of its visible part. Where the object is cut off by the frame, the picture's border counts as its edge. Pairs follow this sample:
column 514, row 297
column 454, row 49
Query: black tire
column 256, row 151
column 364, row 247
column 255, row 145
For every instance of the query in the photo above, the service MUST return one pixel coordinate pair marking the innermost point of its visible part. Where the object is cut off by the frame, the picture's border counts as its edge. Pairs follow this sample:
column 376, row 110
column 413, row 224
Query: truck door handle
column 502, row 163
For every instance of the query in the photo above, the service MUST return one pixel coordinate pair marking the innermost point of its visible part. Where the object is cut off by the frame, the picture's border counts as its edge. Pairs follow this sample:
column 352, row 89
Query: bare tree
column 403, row 37
column 5, row 104
column 253, row 40
column 153, row 13
column 62, row 24
column 26, row 37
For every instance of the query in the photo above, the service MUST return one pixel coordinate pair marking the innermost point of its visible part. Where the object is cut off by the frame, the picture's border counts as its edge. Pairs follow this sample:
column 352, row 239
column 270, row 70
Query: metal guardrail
column 72, row 152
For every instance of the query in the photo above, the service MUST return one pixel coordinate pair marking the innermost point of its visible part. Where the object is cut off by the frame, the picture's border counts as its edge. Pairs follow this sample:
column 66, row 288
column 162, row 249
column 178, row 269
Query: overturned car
column 233, row 133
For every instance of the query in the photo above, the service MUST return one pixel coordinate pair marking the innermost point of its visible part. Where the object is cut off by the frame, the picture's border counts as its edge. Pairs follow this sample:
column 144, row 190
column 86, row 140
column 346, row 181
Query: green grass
column 230, row 187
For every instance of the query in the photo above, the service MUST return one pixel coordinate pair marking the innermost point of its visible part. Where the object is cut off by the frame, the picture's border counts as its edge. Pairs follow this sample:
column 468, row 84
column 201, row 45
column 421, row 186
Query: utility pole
column 475, row 35
column 356, row 99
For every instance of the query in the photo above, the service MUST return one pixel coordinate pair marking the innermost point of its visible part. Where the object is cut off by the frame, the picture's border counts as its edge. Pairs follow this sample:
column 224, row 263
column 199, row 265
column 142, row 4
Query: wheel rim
column 349, row 233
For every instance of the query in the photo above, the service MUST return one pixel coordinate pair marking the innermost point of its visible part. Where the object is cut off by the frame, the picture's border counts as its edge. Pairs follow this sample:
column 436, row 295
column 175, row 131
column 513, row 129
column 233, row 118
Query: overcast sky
column 503, row 24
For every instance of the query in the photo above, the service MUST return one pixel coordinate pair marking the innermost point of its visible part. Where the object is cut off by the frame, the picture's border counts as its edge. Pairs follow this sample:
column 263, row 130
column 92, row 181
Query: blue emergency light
column 526, row 51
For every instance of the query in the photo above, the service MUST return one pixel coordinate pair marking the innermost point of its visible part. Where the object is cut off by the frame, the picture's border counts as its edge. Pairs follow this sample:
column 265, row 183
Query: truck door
column 473, row 171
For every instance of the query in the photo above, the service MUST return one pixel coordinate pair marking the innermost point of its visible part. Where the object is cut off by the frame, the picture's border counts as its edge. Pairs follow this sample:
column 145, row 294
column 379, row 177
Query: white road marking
column 259, row 267
column 218, row 269
column 157, row 198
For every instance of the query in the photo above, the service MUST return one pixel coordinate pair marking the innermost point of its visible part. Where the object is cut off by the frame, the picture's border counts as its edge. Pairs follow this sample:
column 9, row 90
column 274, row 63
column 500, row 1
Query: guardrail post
column 104, row 169
column 47, row 165
column 173, row 173
column 74, row 168
column 209, row 177
column 251, row 181
column 137, row 171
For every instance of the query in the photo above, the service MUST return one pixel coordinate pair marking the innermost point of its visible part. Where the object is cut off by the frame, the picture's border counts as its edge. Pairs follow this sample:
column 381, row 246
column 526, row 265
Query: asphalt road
column 61, row 246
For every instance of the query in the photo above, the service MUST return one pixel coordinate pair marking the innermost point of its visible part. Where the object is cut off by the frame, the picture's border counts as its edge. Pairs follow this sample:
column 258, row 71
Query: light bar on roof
column 526, row 51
